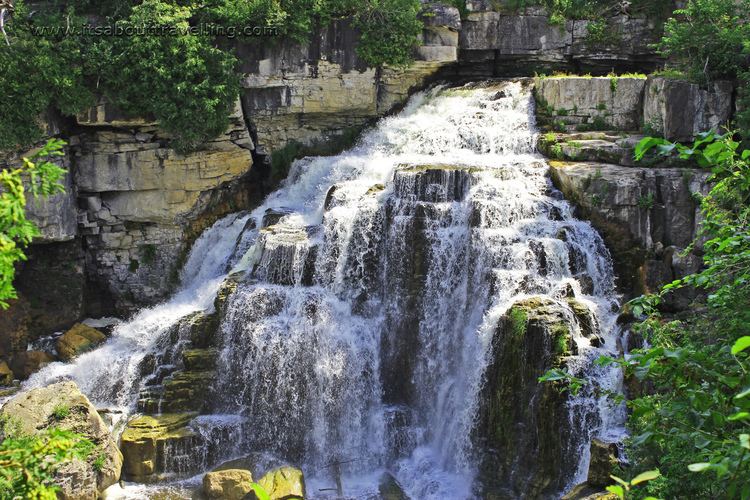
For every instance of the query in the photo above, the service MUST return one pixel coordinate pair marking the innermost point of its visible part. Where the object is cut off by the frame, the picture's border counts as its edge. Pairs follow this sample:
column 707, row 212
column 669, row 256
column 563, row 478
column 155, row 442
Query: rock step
column 200, row 359
column 146, row 439
column 186, row 391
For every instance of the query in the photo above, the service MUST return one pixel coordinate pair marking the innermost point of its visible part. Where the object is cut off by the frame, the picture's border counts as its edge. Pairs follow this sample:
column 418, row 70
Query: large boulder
column 230, row 484
column 284, row 483
column 526, row 427
column 62, row 405
column 146, row 439
column 79, row 339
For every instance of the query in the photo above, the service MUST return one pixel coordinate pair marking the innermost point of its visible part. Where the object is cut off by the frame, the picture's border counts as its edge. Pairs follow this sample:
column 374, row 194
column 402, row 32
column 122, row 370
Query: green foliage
column 99, row 462
column 564, row 380
column 183, row 81
column 622, row 488
column 184, row 76
column 646, row 201
column 693, row 414
column 261, row 493
column 708, row 39
column 61, row 411
column 16, row 231
column 389, row 30
column 600, row 33
column 36, row 73
column 28, row 463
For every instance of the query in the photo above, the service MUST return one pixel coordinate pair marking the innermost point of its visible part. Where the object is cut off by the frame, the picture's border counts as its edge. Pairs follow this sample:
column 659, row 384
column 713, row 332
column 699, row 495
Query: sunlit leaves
column 16, row 231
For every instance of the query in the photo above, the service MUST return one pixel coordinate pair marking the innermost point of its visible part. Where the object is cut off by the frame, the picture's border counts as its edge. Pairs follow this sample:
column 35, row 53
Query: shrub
column 16, row 231
column 707, row 39
column 28, row 463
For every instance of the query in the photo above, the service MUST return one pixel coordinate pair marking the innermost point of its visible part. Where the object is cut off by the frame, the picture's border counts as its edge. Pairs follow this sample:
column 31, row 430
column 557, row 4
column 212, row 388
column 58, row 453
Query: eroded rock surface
column 526, row 425
column 62, row 405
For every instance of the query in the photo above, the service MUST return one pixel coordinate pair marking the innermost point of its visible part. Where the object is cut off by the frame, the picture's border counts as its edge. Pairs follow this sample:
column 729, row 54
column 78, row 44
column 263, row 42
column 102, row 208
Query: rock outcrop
column 646, row 216
column 284, row 483
column 315, row 92
column 498, row 39
column 591, row 102
column 146, row 440
column 62, row 405
column 679, row 110
column 526, row 426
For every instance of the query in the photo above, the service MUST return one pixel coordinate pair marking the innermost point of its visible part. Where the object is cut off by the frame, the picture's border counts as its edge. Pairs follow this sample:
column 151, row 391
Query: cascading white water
column 361, row 329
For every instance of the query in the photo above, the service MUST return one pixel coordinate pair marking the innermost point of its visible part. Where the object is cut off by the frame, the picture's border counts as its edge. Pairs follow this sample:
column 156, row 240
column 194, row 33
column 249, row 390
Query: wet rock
column 636, row 210
column 603, row 463
column 144, row 442
column 389, row 488
column 6, row 375
column 229, row 484
column 586, row 320
column 187, row 391
column 526, row 426
column 79, row 339
column 273, row 216
column 199, row 359
column 62, row 405
column 26, row 363
column 283, row 483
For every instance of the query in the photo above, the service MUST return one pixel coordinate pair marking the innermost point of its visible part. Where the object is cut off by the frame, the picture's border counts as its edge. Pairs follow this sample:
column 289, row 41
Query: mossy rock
column 199, row 359
column 187, row 391
column 79, row 339
column 284, row 483
column 228, row 484
column 143, row 442
column 525, row 425
column 6, row 374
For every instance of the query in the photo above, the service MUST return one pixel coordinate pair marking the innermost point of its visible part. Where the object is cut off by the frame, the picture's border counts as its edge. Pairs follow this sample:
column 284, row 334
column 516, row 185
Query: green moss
column 560, row 340
column 148, row 253
column 518, row 320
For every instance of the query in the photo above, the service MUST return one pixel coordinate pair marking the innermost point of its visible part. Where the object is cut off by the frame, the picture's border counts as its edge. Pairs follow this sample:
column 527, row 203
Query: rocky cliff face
column 116, row 238
column 647, row 212
column 499, row 40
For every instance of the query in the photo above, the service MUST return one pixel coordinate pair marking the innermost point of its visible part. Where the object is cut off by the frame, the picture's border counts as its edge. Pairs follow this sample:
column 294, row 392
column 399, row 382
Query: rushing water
column 360, row 330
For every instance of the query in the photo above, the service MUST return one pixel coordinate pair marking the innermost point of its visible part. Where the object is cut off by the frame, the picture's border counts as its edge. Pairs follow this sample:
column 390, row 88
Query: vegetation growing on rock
column 186, row 77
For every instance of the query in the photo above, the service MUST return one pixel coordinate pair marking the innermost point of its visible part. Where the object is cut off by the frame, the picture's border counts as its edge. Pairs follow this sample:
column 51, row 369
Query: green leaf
column 745, row 441
column 739, row 416
column 649, row 475
column 621, row 481
column 741, row 344
column 745, row 393
column 260, row 492
column 699, row 467
column 617, row 490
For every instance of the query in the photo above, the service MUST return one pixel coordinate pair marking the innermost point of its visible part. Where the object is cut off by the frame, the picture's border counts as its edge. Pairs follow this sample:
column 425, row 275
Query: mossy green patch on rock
column 525, row 424
column 143, row 441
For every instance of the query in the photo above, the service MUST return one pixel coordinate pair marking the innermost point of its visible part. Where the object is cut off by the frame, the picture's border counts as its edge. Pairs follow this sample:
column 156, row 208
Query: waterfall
column 368, row 289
